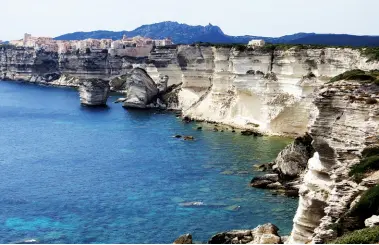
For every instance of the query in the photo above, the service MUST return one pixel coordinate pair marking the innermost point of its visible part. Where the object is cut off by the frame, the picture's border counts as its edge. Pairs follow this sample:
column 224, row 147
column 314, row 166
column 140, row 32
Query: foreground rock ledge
column 93, row 92
column 263, row 234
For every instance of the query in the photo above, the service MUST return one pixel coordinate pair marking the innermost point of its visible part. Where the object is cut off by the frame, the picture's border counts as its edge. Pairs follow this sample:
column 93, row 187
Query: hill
column 187, row 34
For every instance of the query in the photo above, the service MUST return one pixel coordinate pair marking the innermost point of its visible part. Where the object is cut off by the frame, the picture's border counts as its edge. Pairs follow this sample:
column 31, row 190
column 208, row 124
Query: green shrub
column 367, row 205
column 364, row 236
column 357, row 75
column 371, row 53
column 371, row 151
column 366, row 165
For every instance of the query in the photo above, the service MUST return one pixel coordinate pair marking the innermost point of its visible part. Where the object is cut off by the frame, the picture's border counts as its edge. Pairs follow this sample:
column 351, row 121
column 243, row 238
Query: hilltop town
column 135, row 47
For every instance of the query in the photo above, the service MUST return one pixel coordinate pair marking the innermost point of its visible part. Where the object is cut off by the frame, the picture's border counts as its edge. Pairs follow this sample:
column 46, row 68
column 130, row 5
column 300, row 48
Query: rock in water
column 184, row 239
column 263, row 234
column 292, row 161
column 140, row 89
column 93, row 92
column 250, row 133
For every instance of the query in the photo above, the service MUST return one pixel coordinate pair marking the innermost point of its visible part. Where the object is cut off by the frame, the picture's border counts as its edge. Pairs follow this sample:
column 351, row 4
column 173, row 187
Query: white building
column 257, row 43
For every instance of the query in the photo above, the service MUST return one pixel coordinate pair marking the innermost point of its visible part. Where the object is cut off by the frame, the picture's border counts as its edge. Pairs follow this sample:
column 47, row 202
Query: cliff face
column 345, row 125
column 29, row 65
column 267, row 90
column 271, row 91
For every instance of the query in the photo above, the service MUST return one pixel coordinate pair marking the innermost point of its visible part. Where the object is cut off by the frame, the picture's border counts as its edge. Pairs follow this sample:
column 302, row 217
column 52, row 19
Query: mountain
column 187, row 34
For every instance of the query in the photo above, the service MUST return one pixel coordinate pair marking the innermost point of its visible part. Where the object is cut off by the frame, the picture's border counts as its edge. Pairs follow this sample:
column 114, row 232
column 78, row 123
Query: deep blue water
column 71, row 174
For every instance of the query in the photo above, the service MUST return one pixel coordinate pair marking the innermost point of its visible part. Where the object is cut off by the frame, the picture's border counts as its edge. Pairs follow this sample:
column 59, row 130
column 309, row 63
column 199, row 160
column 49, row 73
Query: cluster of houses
column 136, row 47
column 127, row 46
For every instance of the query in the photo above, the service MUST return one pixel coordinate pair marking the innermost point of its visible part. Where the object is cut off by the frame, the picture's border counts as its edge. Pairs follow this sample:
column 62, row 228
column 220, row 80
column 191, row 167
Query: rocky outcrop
column 93, row 92
column 184, row 239
column 372, row 221
column 287, row 169
column 292, row 160
column 345, row 125
column 140, row 89
column 263, row 234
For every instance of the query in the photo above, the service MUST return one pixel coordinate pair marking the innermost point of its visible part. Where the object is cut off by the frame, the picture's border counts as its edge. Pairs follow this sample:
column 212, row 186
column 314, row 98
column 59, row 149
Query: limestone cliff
column 346, row 124
column 271, row 89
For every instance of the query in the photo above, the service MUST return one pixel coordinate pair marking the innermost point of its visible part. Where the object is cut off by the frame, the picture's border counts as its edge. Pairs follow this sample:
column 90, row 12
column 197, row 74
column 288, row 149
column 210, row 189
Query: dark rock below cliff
column 287, row 168
column 250, row 133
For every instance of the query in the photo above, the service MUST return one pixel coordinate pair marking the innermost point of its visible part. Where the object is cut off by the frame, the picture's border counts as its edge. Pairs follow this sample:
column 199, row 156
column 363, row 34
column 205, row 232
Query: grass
column 364, row 236
column 369, row 162
column 358, row 75
column 371, row 53
column 366, row 165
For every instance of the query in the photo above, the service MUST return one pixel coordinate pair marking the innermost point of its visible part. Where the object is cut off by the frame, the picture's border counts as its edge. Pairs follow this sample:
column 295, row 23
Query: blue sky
column 237, row 17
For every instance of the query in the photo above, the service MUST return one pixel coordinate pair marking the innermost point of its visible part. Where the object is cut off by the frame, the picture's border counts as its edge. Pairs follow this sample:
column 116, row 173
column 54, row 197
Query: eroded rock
column 292, row 160
column 263, row 234
column 139, row 87
column 93, row 92
column 184, row 239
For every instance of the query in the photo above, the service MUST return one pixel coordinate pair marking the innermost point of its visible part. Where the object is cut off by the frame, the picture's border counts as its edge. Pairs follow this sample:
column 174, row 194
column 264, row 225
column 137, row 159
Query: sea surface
column 72, row 174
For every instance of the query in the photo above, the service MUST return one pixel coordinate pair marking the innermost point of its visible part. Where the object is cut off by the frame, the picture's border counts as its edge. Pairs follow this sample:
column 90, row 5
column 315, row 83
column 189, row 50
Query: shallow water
column 71, row 174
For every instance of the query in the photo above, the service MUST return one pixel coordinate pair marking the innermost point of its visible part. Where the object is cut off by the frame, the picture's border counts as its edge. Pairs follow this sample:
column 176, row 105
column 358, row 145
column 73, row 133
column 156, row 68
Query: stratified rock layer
column 139, row 87
column 93, row 92
column 270, row 91
column 344, row 126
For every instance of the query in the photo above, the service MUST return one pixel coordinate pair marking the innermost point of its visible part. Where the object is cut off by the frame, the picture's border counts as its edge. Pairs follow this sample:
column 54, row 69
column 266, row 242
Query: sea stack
column 93, row 92
column 140, row 89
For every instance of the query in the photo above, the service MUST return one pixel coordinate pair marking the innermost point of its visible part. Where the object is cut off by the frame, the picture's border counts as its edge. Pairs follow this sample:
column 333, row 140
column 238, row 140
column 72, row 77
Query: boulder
column 184, row 239
column 292, row 160
column 93, row 92
column 250, row 133
column 265, row 181
column 372, row 221
column 140, row 89
column 189, row 138
column 263, row 234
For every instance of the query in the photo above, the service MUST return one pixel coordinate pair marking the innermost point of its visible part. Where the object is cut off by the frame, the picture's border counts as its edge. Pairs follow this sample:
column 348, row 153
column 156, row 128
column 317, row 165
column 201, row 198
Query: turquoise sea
column 72, row 174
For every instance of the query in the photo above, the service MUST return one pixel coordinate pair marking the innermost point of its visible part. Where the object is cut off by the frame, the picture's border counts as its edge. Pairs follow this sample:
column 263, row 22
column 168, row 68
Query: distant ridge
column 187, row 34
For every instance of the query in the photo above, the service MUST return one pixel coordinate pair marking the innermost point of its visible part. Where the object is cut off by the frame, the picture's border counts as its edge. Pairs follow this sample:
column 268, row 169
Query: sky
column 237, row 17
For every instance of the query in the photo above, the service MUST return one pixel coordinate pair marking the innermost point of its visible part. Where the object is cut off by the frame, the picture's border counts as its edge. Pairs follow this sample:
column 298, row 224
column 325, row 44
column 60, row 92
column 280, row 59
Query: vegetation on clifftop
column 358, row 75
column 371, row 53
column 369, row 163
column 364, row 236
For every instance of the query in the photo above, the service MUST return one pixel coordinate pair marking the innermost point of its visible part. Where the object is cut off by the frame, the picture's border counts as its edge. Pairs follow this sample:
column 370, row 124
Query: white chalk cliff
column 269, row 89
column 345, row 125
